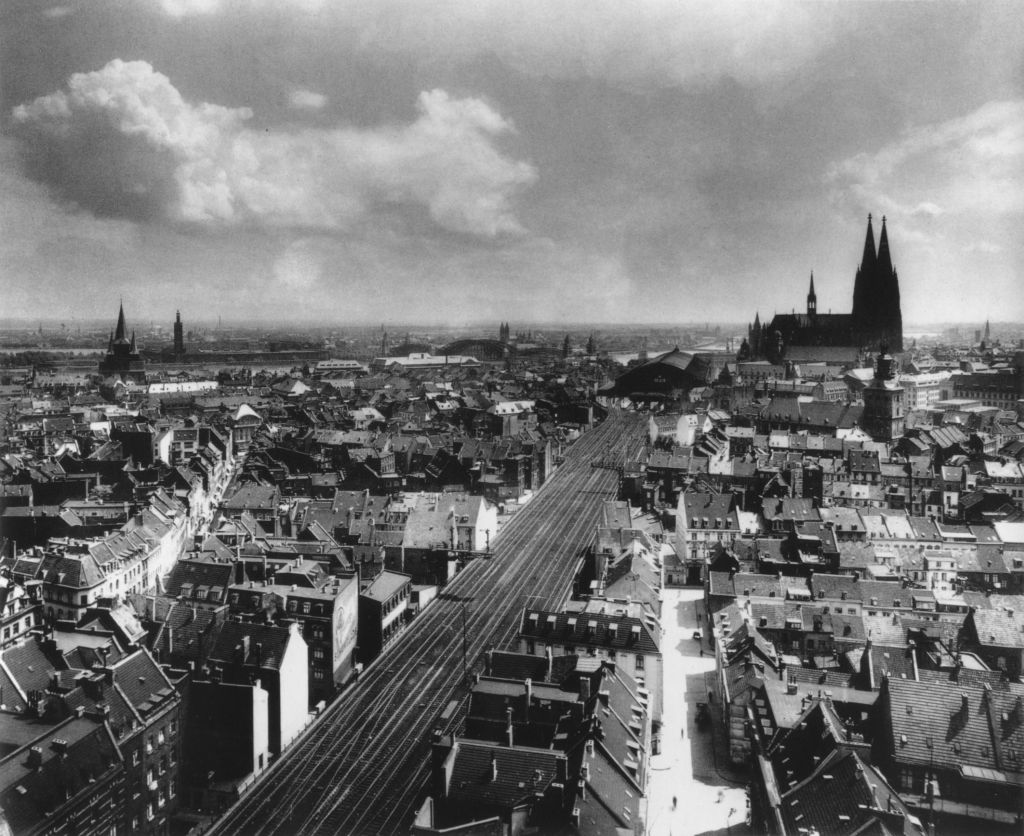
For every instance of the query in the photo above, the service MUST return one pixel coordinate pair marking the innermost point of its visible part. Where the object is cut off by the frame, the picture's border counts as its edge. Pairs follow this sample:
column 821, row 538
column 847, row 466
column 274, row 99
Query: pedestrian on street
column 702, row 651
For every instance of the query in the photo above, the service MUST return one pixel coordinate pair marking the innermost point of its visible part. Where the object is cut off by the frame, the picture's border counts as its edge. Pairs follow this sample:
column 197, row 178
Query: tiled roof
column 186, row 633
column 593, row 629
column 29, row 666
column 754, row 585
column 844, row 796
column 28, row 795
column 142, row 681
column 385, row 585
column 954, row 724
column 998, row 628
column 517, row 773
column 273, row 643
column 198, row 574
column 263, row 497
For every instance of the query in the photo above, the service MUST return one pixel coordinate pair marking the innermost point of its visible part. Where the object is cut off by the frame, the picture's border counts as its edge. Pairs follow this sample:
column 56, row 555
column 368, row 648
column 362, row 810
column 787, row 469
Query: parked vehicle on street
column 703, row 715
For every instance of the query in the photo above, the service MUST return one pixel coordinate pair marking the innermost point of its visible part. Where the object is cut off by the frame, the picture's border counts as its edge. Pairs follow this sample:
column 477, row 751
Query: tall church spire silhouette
column 876, row 318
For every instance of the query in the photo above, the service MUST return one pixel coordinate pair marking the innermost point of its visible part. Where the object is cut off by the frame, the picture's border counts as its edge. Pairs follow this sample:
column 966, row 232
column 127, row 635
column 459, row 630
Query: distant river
column 63, row 350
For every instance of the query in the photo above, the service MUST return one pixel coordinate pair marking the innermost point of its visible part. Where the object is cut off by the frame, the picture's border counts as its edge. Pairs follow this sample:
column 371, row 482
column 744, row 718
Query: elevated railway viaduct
column 363, row 766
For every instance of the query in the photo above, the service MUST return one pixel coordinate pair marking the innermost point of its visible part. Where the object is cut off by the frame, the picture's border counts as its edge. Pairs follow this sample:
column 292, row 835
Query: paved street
column 710, row 798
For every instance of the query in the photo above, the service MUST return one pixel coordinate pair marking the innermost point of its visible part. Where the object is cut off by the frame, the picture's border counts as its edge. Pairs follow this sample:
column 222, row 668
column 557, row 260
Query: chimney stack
column 509, row 733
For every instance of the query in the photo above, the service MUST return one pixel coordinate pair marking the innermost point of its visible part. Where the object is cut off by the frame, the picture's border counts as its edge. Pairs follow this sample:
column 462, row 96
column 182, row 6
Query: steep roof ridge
column 993, row 729
column 14, row 681
column 607, row 805
column 614, row 761
column 124, row 697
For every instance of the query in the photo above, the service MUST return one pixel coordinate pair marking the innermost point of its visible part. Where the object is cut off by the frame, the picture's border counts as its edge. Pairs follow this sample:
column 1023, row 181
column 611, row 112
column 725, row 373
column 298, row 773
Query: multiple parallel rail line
column 362, row 767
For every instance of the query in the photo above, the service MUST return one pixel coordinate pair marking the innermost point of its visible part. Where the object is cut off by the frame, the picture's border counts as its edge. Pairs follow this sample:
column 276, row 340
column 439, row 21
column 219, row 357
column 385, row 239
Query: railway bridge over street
column 362, row 767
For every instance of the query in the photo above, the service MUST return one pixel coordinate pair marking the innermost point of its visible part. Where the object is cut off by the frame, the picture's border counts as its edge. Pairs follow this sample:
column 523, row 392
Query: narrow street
column 710, row 798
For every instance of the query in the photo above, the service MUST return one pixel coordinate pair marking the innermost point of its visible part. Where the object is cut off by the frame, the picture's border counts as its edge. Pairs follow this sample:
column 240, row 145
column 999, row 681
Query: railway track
column 362, row 767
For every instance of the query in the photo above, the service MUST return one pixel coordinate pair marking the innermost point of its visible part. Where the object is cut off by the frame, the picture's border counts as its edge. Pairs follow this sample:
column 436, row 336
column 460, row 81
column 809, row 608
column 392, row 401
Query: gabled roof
column 489, row 774
column 619, row 632
column 272, row 641
column 955, row 726
column 29, row 795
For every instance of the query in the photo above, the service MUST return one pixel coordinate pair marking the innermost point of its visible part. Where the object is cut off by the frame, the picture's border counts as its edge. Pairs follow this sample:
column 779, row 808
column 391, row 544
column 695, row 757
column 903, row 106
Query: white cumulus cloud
column 970, row 164
column 307, row 100
column 123, row 141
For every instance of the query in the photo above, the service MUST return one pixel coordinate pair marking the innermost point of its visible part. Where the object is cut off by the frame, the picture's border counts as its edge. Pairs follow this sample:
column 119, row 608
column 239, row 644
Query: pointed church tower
column 862, row 290
column 119, row 332
column 886, row 308
column 122, row 359
column 812, row 299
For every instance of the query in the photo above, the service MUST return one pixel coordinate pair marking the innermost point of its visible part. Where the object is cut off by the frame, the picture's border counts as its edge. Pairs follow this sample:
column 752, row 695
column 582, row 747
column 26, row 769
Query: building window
column 318, row 673
column 318, row 653
column 531, row 646
column 639, row 661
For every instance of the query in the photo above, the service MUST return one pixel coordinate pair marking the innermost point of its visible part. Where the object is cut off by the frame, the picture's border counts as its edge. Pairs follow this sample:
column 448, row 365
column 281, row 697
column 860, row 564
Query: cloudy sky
column 446, row 161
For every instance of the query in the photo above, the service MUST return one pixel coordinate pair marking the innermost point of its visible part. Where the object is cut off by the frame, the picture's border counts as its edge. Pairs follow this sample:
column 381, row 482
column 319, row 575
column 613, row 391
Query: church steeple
column 867, row 261
column 119, row 332
column 884, row 258
column 812, row 299
column 864, row 286
column 122, row 358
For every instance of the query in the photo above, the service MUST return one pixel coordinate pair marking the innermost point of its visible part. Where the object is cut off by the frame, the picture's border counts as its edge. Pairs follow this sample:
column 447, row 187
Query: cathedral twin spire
column 876, row 292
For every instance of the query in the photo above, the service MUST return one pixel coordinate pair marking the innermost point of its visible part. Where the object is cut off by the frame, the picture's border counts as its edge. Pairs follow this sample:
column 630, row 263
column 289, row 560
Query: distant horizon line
column 34, row 323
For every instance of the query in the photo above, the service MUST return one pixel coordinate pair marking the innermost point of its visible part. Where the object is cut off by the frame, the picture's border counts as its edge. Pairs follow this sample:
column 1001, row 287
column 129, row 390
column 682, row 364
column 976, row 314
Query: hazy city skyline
column 449, row 162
